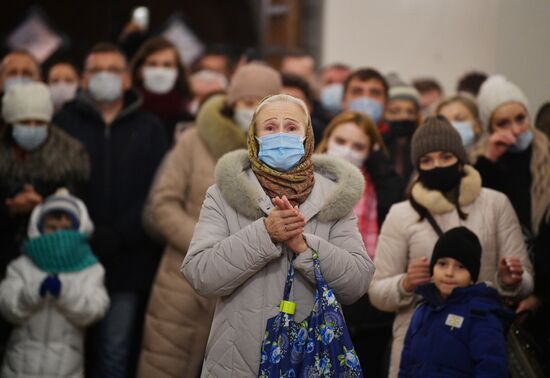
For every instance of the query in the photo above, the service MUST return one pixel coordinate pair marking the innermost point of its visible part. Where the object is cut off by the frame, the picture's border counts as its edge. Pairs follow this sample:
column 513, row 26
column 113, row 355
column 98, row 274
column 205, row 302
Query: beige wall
column 444, row 39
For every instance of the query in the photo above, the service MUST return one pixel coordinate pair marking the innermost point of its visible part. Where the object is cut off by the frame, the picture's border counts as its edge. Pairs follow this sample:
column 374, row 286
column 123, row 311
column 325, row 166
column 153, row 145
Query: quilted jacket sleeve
column 511, row 244
column 217, row 263
column 386, row 291
column 19, row 291
column 83, row 299
column 345, row 263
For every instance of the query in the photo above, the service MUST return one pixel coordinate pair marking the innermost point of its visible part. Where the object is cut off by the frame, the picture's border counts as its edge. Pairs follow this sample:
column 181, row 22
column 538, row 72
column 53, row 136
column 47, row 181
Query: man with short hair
column 431, row 94
column 470, row 83
column 366, row 91
column 332, row 78
column 19, row 66
column 335, row 73
column 126, row 145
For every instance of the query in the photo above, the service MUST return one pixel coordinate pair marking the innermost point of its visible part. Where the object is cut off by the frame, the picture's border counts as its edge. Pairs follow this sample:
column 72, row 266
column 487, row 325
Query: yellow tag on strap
column 288, row 307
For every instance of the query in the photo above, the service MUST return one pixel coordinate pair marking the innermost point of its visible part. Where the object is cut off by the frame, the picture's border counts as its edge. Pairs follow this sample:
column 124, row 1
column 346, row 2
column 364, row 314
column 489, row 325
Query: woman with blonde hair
column 463, row 114
column 354, row 137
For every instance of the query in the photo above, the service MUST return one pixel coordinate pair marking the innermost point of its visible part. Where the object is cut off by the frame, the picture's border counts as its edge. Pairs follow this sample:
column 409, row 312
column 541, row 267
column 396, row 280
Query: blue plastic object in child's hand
column 319, row 346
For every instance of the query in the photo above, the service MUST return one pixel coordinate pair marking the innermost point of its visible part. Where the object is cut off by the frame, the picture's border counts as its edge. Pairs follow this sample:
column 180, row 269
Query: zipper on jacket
column 46, row 337
column 107, row 159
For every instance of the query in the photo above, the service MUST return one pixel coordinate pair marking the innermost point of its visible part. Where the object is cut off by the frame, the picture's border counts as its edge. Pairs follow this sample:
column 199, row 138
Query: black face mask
column 402, row 129
column 441, row 179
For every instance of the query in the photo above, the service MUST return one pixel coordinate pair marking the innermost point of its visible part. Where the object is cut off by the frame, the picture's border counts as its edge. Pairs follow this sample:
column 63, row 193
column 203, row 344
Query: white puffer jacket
column 49, row 338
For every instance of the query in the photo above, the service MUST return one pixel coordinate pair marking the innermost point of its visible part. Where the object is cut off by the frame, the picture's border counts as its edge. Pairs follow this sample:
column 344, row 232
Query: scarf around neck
column 295, row 184
column 63, row 251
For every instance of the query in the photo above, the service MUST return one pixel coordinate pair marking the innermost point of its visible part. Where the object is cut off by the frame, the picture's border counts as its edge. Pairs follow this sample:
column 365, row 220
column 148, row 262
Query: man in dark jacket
column 126, row 145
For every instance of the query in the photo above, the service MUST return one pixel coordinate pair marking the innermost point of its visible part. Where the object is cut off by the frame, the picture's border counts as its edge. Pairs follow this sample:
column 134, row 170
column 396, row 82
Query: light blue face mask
column 466, row 132
column 29, row 137
column 523, row 142
column 281, row 151
column 331, row 97
column 368, row 106
column 16, row 80
column 105, row 86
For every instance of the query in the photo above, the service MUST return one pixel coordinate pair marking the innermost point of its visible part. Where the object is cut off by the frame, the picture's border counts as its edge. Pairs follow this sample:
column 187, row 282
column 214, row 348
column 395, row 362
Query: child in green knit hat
column 52, row 292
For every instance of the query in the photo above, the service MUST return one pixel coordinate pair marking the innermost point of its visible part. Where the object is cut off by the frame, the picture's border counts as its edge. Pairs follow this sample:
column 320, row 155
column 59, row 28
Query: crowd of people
column 151, row 213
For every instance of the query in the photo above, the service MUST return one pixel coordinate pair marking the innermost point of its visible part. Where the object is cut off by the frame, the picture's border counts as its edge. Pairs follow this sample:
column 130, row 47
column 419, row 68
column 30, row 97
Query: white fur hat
column 494, row 92
column 26, row 102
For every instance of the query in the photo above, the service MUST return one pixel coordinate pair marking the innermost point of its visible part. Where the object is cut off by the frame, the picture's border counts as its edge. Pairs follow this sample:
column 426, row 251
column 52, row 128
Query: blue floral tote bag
column 319, row 346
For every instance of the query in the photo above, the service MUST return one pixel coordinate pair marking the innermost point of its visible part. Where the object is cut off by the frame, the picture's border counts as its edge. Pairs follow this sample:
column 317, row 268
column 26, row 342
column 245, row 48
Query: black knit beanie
column 462, row 245
column 436, row 134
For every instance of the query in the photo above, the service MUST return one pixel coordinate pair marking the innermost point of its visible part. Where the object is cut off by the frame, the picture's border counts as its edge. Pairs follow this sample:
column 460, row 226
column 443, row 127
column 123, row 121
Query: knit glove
column 51, row 284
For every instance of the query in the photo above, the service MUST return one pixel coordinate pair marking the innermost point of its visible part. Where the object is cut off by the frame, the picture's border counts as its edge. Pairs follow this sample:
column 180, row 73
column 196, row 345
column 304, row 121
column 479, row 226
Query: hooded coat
column 405, row 238
column 48, row 338
column 232, row 257
column 463, row 336
column 178, row 319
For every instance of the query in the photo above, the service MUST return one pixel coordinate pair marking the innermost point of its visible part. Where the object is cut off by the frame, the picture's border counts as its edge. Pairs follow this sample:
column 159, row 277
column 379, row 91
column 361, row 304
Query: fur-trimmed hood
column 435, row 201
column 338, row 187
column 219, row 133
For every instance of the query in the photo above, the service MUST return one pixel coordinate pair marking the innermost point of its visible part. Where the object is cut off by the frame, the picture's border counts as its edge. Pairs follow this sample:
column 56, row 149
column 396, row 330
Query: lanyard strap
column 289, row 307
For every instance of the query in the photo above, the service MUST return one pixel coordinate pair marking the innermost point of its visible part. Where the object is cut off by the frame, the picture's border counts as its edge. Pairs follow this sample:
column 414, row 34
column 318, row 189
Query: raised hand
column 418, row 273
column 51, row 284
column 510, row 271
column 498, row 144
column 24, row 201
column 283, row 225
column 297, row 243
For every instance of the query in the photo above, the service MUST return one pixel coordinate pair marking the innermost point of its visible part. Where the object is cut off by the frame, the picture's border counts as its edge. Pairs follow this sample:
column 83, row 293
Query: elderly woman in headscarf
column 270, row 204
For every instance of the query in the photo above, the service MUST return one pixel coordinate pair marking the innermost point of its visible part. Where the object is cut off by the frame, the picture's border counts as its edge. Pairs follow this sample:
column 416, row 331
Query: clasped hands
column 285, row 224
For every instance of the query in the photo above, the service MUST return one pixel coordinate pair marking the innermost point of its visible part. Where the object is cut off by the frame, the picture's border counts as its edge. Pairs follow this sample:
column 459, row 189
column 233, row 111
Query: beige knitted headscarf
column 295, row 184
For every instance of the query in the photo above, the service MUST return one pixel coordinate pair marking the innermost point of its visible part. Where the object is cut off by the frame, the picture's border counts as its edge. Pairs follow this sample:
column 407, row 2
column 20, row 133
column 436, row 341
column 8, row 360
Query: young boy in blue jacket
column 459, row 330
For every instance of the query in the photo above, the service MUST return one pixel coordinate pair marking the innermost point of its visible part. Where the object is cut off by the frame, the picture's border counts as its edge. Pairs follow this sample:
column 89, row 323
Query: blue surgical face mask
column 466, row 132
column 29, row 137
column 281, row 151
column 331, row 97
column 16, row 80
column 368, row 106
column 105, row 86
column 523, row 142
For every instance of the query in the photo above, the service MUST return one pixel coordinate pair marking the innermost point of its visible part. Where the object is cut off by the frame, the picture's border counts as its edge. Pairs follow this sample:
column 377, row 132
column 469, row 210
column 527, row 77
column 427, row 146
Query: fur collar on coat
column 59, row 158
column 219, row 133
column 436, row 203
column 336, row 202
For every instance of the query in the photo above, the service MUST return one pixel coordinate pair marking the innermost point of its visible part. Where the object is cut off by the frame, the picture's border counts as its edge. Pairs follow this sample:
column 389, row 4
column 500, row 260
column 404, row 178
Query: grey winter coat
column 232, row 257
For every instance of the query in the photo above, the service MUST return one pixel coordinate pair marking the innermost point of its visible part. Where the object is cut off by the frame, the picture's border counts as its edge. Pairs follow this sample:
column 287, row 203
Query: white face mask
column 243, row 118
column 159, row 80
column 354, row 157
column 62, row 92
column 105, row 86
